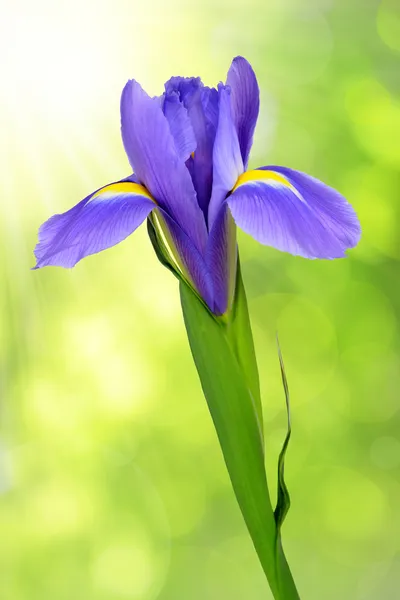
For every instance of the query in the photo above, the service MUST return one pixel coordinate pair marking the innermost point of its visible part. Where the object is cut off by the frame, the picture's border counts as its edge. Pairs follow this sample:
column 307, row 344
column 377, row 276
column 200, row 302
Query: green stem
column 223, row 352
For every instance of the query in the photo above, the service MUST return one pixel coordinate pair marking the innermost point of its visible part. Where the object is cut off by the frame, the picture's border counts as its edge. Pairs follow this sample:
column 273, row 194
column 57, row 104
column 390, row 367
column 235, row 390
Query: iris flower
column 189, row 151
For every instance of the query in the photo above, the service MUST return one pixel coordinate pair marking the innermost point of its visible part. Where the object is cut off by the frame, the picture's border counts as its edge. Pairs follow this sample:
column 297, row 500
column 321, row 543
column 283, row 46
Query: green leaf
column 283, row 500
column 223, row 352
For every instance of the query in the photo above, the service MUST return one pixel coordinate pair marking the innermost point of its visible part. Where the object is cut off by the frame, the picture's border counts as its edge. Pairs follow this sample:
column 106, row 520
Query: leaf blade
column 283, row 499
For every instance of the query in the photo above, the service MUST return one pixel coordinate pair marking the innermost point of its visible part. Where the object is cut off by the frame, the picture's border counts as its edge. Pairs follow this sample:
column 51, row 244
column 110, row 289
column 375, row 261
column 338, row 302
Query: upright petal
column 227, row 159
column 294, row 212
column 201, row 103
column 245, row 101
column 152, row 153
column 209, row 101
column 202, row 112
column 100, row 221
column 180, row 125
column 186, row 87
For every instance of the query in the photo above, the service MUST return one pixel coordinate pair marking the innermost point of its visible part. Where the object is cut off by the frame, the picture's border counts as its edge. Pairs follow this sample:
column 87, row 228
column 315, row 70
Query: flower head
column 189, row 150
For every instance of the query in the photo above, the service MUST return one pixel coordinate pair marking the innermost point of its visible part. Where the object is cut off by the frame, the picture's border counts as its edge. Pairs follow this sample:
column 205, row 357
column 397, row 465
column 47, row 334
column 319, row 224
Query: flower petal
column 201, row 103
column 227, row 159
column 100, row 221
column 209, row 101
column 294, row 212
column 203, row 116
column 190, row 261
column 180, row 125
column 221, row 259
column 151, row 150
column 245, row 102
column 186, row 87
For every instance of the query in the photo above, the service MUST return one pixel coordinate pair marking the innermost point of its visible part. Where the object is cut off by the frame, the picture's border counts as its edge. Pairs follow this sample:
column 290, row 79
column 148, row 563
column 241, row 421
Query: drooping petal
column 100, row 221
column 294, row 212
column 180, row 125
column 201, row 103
column 227, row 159
column 152, row 153
column 245, row 102
column 221, row 259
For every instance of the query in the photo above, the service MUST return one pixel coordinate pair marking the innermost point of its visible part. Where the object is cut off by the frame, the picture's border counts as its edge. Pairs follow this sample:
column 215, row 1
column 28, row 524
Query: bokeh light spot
column 354, row 507
column 125, row 569
column 373, row 376
column 372, row 190
column 388, row 21
column 367, row 317
column 60, row 508
column 375, row 118
column 385, row 452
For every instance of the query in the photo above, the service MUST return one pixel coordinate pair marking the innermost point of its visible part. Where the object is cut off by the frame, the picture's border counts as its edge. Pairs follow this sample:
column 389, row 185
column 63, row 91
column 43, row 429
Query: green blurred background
column 112, row 484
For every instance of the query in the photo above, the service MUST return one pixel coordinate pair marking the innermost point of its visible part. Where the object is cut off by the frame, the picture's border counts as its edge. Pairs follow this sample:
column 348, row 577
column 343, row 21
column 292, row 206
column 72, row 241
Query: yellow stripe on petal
column 261, row 176
column 124, row 187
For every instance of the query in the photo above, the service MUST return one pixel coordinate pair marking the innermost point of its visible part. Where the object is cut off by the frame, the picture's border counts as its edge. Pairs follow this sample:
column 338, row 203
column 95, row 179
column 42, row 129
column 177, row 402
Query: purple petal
column 245, row 102
column 180, row 125
column 151, row 150
column 202, row 113
column 209, row 101
column 202, row 105
column 227, row 159
column 186, row 87
column 100, row 221
column 221, row 259
column 189, row 260
column 294, row 212
column 190, row 91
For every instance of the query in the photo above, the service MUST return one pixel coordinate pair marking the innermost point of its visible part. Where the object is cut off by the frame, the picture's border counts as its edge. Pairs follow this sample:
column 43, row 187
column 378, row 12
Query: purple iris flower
column 189, row 150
